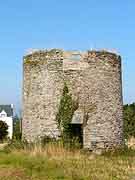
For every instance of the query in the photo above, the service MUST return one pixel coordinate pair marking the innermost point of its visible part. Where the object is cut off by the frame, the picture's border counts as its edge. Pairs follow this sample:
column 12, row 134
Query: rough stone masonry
column 94, row 80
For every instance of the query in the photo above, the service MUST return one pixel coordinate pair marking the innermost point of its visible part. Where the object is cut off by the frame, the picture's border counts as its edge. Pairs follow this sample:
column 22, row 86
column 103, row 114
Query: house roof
column 8, row 109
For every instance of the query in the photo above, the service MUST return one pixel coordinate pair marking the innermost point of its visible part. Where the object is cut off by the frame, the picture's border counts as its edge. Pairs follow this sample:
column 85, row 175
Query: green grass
column 54, row 162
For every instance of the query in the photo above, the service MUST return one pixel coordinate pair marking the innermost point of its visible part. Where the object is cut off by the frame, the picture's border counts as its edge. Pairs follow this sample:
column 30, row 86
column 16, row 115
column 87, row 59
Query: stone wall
column 104, row 126
column 43, row 85
column 94, row 80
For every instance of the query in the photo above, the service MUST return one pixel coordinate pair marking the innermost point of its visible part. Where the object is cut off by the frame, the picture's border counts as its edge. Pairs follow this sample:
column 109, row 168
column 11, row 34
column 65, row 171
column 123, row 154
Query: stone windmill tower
column 94, row 80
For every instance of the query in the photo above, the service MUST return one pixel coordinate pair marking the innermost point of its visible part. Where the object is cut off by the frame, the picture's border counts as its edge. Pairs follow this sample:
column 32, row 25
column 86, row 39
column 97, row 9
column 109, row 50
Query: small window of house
column 3, row 115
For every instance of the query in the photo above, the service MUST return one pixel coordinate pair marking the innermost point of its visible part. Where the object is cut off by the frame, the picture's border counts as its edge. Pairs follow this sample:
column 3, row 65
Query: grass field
column 54, row 162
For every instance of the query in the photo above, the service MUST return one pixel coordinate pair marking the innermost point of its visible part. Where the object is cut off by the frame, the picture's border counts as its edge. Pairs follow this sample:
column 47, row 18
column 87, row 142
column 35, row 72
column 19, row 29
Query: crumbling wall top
column 69, row 56
column 103, row 53
column 43, row 51
column 35, row 56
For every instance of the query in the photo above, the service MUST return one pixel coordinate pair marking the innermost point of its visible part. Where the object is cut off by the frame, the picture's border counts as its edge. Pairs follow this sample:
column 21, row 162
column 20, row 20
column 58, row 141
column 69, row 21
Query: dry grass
column 12, row 174
column 131, row 143
column 2, row 145
column 56, row 162
column 53, row 151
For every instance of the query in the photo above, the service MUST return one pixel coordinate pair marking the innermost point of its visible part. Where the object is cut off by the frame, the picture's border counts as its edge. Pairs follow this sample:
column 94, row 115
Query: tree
column 3, row 130
column 129, row 120
column 16, row 128
column 66, row 111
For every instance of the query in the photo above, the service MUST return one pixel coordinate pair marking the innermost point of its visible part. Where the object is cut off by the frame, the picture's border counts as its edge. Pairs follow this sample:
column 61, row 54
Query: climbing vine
column 65, row 113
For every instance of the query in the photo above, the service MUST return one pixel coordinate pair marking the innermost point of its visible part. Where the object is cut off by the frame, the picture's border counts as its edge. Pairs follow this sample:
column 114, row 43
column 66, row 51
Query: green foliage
column 47, row 139
column 31, row 62
column 55, row 51
column 16, row 128
column 3, row 130
column 129, row 120
column 65, row 113
column 17, row 145
column 125, row 152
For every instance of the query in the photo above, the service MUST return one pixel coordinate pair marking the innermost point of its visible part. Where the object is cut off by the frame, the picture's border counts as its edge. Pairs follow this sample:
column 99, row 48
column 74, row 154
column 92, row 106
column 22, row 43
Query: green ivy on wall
column 65, row 113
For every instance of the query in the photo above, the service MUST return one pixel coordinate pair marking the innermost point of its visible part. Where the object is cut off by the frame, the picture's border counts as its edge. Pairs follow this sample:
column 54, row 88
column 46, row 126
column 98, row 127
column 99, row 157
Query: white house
column 6, row 115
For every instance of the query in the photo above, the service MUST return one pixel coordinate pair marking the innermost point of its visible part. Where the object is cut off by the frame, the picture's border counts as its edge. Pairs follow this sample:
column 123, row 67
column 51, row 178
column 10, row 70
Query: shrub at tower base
column 65, row 114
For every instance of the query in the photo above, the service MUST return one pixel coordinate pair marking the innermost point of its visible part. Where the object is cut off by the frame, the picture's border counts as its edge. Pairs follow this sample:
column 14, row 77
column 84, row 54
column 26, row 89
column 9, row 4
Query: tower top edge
column 63, row 53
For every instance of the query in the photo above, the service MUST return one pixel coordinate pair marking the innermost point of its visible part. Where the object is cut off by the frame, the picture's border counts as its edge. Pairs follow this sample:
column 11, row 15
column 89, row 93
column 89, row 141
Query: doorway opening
column 77, row 133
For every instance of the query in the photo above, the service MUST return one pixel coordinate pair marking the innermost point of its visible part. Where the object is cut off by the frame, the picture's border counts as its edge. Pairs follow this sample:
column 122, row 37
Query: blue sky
column 68, row 24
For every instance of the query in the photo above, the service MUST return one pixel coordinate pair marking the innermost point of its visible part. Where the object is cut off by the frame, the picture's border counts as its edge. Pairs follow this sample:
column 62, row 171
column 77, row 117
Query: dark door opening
column 77, row 132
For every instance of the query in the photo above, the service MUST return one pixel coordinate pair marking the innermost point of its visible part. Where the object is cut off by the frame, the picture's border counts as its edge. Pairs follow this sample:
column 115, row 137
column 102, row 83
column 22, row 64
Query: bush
column 16, row 128
column 125, row 152
column 17, row 145
column 3, row 130
column 47, row 139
